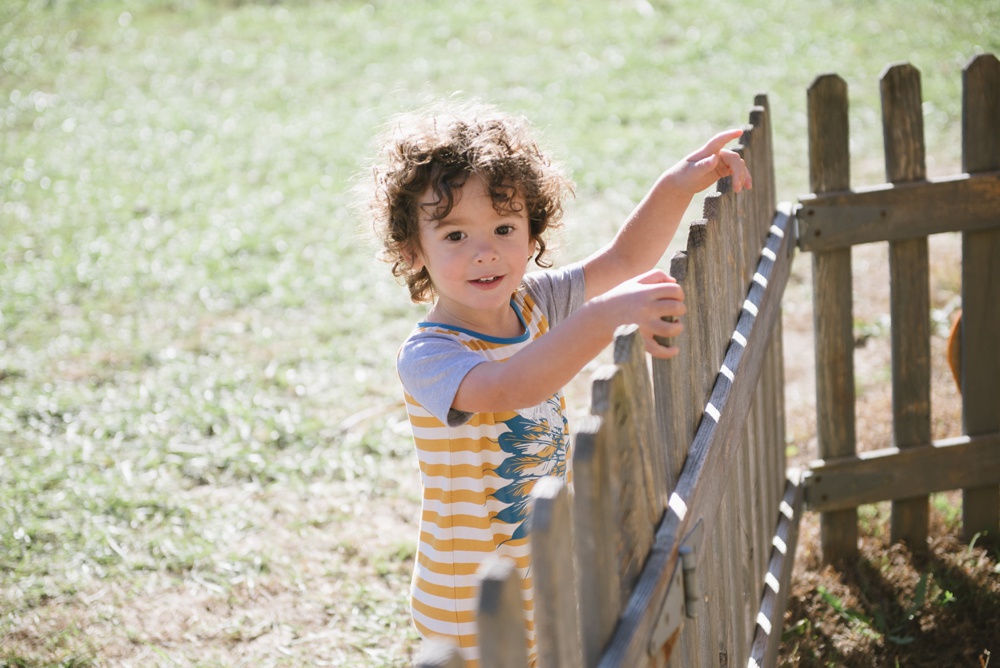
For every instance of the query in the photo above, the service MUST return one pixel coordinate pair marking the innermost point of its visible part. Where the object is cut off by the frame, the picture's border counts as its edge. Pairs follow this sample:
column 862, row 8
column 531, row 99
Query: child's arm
column 546, row 365
column 621, row 288
column 647, row 232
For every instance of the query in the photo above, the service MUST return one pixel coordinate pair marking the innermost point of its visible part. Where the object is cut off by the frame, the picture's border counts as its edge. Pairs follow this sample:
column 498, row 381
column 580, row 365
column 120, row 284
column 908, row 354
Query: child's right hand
column 652, row 301
column 713, row 161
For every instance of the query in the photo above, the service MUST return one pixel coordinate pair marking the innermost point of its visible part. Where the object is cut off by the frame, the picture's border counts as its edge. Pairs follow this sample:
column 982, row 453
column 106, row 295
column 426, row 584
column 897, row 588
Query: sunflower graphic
column 536, row 447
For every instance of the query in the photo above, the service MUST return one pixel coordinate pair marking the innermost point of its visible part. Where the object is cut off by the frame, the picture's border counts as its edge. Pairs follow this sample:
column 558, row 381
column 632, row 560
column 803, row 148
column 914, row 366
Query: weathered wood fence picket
column 676, row 547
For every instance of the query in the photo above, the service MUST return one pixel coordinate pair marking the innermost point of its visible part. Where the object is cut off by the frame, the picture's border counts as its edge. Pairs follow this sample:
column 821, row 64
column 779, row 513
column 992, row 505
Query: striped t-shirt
column 478, row 470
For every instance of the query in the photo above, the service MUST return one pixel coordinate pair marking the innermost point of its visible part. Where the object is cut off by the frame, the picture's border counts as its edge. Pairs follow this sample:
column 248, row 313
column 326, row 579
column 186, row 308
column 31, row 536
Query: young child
column 463, row 200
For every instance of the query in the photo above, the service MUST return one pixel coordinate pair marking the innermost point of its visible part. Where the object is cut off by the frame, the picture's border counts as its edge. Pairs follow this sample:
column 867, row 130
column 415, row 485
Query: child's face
column 476, row 257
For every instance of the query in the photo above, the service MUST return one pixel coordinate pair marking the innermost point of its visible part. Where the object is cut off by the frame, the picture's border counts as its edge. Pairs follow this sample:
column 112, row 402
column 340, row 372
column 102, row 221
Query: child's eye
column 504, row 230
column 454, row 236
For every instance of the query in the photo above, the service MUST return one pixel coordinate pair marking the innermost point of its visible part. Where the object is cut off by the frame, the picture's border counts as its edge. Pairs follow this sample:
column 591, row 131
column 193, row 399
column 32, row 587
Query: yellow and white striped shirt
column 478, row 470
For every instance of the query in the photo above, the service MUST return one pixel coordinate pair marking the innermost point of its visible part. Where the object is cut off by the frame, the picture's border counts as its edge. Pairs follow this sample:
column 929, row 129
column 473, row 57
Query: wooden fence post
column 612, row 401
column 705, row 289
column 829, row 170
column 557, row 630
column 595, row 513
column 909, row 269
column 630, row 357
column 981, row 289
column 503, row 642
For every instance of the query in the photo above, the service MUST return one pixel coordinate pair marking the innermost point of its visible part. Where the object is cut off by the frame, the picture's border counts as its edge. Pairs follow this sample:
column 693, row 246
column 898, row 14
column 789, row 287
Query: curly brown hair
column 438, row 150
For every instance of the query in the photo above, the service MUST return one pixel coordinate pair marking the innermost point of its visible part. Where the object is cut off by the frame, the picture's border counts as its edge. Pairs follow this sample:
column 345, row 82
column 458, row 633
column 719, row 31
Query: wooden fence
column 904, row 213
column 676, row 547
column 679, row 473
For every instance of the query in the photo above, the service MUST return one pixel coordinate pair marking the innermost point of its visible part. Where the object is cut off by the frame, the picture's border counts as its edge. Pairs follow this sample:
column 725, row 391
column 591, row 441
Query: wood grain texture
column 594, row 521
column 635, row 526
column 503, row 642
column 711, row 457
column 829, row 170
column 637, row 388
column 893, row 473
column 557, row 629
column 981, row 290
column 895, row 212
column 909, row 271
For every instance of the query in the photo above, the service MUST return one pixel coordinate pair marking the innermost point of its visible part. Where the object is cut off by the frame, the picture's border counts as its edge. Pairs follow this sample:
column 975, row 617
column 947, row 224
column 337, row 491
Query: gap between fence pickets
column 687, row 518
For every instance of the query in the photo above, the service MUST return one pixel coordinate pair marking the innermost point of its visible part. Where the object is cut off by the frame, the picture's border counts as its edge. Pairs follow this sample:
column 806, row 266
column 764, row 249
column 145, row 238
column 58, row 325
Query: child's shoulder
column 558, row 291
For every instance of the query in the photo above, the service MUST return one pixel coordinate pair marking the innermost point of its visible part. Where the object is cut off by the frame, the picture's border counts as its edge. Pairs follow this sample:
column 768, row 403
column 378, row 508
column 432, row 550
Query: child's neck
column 503, row 324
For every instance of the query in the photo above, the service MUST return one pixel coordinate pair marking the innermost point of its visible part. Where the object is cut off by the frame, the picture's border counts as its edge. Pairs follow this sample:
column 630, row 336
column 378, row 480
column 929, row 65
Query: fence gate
column 904, row 213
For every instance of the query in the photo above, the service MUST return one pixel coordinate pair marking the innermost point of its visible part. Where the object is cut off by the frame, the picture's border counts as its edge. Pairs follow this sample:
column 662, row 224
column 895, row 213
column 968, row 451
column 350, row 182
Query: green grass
column 194, row 329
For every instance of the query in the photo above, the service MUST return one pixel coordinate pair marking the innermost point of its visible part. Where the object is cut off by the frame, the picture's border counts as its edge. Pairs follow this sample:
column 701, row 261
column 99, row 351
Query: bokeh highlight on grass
column 203, row 454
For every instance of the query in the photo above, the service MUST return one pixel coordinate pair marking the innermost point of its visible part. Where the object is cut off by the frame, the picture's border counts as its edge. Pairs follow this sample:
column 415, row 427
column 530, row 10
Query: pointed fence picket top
column 677, row 544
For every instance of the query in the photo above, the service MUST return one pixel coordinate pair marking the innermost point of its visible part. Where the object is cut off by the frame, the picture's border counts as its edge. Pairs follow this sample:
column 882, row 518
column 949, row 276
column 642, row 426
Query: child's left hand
column 712, row 162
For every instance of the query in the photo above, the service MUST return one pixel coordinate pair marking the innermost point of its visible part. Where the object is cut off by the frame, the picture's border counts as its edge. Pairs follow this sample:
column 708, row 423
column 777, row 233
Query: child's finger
column 734, row 166
column 655, row 276
column 658, row 347
column 715, row 144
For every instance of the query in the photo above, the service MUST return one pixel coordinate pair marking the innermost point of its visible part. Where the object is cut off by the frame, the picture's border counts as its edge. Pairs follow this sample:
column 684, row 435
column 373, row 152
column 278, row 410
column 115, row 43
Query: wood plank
column 742, row 249
column 711, row 456
column 698, row 302
column 637, row 387
column 774, row 597
column 761, row 469
column 764, row 181
column 703, row 297
column 503, row 642
column 683, row 414
column 671, row 387
column 777, row 443
column 691, row 398
column 720, row 213
column 829, row 157
column 635, row 525
column 981, row 290
column 557, row 630
column 594, row 520
column 829, row 170
column 894, row 212
column 893, row 473
column 909, row 271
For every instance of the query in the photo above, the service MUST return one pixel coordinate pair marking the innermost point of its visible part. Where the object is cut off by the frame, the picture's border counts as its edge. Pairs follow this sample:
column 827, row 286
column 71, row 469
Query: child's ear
column 413, row 260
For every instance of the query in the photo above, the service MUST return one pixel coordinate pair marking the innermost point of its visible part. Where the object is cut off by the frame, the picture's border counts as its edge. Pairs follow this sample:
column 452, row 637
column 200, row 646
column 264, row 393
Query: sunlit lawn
column 203, row 455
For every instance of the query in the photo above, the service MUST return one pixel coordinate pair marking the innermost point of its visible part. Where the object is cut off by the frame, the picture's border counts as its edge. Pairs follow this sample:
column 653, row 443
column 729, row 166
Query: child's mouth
column 486, row 281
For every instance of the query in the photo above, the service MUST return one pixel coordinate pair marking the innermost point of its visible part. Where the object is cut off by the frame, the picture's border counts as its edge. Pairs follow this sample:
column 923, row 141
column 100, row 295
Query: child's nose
column 486, row 251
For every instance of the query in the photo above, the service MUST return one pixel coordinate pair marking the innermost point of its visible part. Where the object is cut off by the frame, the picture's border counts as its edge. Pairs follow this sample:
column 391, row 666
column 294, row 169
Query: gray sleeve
column 431, row 367
column 558, row 292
